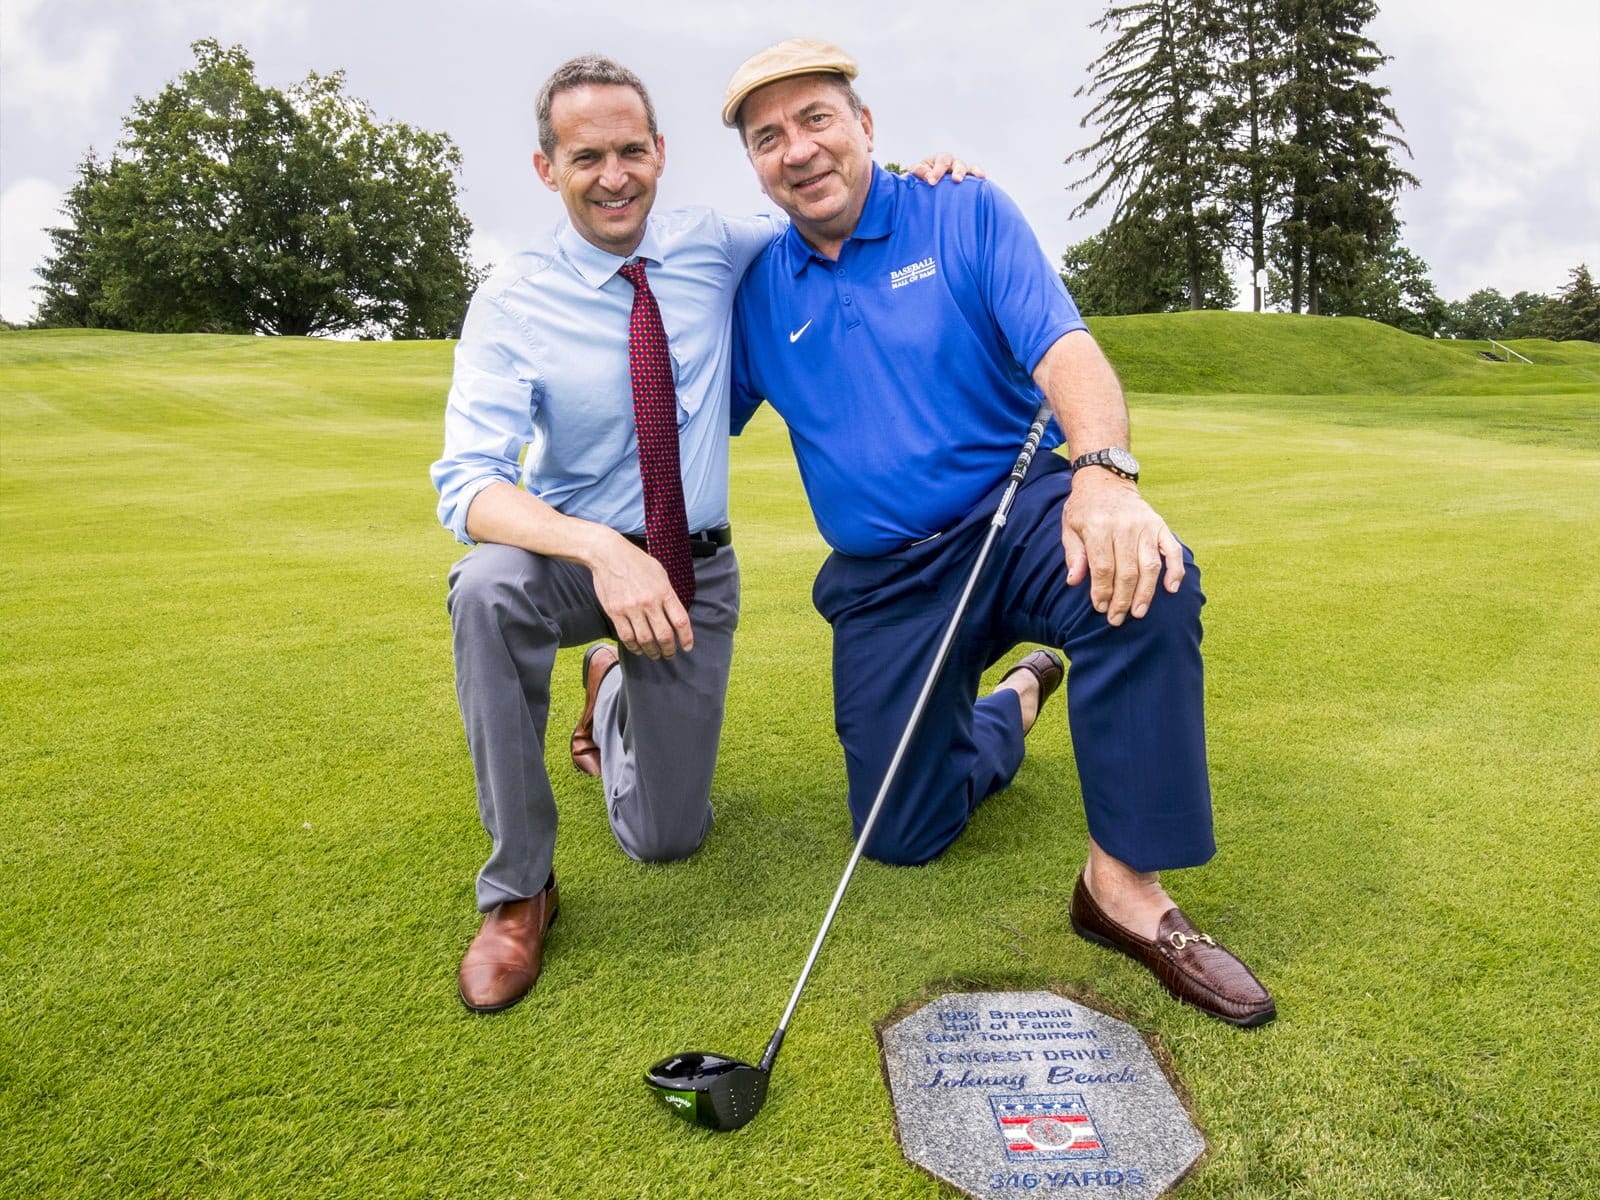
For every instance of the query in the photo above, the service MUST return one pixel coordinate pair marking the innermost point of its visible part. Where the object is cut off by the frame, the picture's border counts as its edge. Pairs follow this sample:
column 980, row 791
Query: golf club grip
column 1029, row 447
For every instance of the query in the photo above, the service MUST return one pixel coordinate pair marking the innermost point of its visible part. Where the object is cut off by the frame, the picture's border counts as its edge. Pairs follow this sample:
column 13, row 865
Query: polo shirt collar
column 876, row 221
column 596, row 266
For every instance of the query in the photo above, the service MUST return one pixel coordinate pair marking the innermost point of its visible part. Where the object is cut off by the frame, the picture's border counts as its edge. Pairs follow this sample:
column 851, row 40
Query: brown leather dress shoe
column 1190, row 964
column 597, row 660
column 1045, row 666
column 502, row 964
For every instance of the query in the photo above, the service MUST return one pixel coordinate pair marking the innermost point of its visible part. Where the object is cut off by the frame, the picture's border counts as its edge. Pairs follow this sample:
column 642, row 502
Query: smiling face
column 812, row 154
column 605, row 165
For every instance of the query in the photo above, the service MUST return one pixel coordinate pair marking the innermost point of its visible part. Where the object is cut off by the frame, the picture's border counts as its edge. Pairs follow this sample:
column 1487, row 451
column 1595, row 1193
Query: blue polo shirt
column 904, row 369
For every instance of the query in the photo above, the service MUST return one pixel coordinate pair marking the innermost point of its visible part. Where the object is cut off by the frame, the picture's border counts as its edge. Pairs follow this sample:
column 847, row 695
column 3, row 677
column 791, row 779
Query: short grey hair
column 587, row 70
column 846, row 89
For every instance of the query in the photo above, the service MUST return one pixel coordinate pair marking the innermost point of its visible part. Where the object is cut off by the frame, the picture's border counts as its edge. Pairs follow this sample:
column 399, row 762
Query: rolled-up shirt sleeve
column 488, row 422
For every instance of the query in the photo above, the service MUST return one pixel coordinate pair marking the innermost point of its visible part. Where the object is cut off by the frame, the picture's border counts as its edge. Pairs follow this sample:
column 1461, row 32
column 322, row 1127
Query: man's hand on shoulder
column 936, row 167
column 1110, row 535
column 636, row 594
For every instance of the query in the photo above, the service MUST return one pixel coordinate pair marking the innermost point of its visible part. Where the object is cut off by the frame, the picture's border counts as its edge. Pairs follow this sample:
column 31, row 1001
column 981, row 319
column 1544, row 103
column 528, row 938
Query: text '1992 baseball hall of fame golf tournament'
column 1018, row 1093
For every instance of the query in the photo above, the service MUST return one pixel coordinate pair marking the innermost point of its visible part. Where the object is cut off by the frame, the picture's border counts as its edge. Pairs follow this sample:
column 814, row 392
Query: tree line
column 1572, row 314
column 1225, row 130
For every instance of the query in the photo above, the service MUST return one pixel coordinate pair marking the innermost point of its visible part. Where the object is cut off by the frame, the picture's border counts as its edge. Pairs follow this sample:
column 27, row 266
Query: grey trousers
column 657, row 723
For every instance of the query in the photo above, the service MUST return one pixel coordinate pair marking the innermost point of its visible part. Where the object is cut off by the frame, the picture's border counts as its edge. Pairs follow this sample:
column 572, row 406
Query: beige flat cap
column 797, row 56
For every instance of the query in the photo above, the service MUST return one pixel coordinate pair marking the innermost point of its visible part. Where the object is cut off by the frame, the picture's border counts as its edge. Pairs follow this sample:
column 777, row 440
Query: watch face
column 1122, row 460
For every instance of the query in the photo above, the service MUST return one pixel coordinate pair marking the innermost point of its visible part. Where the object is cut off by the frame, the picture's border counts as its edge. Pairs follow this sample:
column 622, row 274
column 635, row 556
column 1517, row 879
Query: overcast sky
column 1500, row 103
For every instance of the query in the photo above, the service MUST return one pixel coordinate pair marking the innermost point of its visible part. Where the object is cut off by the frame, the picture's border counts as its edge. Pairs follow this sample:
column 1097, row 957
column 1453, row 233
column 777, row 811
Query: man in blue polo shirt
column 907, row 335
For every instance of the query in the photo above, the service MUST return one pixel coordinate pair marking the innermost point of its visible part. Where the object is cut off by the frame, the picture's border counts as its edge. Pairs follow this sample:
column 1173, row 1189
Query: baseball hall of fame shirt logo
column 912, row 273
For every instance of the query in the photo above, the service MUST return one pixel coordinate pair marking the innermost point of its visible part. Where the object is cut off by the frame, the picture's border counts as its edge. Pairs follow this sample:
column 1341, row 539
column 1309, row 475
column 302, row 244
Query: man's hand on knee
column 636, row 594
column 1112, row 537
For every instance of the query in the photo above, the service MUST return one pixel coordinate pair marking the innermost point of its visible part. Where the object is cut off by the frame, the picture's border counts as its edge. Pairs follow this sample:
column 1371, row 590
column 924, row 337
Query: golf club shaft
column 1019, row 471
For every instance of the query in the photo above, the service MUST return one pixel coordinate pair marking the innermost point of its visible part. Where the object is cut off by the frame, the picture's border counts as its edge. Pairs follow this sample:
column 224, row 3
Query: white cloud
column 245, row 21
column 1528, row 76
column 488, row 249
column 56, row 85
column 27, row 208
column 1503, row 114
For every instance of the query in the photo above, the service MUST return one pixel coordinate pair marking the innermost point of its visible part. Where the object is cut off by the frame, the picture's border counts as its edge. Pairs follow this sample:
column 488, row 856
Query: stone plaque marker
column 1028, row 1093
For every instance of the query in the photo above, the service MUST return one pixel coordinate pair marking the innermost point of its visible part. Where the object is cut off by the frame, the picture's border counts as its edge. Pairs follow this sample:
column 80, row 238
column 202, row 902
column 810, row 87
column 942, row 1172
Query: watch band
column 1113, row 458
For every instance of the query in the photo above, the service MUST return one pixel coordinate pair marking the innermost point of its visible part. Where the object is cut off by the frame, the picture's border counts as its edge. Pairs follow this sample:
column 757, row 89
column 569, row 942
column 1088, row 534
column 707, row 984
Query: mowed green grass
column 238, row 833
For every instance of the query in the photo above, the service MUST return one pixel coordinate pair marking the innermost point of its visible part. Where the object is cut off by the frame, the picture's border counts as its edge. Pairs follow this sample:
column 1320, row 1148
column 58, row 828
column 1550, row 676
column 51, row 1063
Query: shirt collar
column 594, row 265
column 876, row 221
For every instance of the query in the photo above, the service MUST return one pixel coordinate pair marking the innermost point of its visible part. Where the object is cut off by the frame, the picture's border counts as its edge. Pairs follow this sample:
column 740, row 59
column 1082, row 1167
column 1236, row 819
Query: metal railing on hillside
column 1511, row 352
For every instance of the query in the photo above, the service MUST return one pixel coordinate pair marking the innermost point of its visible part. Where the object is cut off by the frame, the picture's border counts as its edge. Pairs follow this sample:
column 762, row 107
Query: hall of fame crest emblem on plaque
column 1046, row 1127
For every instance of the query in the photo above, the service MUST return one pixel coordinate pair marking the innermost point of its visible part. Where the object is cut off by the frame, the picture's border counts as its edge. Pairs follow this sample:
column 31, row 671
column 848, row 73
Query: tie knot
column 634, row 273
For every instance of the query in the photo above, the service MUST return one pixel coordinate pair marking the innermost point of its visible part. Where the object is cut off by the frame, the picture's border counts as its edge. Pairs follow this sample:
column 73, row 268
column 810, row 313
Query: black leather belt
column 702, row 545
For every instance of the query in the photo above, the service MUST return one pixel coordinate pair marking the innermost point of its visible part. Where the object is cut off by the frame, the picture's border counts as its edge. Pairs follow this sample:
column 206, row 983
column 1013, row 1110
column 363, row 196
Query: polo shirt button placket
column 844, row 299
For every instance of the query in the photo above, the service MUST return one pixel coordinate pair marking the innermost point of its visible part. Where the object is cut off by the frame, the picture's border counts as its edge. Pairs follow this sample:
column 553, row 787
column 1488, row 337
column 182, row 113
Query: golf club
column 724, row 1093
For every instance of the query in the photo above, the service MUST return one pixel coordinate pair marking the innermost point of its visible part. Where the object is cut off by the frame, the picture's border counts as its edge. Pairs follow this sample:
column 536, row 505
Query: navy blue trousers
column 1134, row 691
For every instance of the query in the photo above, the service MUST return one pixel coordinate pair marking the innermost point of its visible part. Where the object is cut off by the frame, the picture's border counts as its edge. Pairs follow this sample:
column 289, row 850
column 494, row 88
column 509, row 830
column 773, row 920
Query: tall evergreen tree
column 1252, row 53
column 1574, row 314
column 1158, row 150
column 1339, row 157
column 73, row 292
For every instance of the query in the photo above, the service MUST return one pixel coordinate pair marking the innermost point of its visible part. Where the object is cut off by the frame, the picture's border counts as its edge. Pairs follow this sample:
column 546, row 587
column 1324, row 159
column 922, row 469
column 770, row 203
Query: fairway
column 239, row 836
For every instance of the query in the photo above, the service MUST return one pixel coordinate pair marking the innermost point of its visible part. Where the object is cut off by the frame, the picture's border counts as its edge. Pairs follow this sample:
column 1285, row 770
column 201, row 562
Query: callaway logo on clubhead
column 677, row 1101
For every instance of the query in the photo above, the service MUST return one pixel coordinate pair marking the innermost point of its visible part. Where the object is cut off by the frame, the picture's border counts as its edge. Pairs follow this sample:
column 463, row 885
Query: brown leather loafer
column 1045, row 666
column 503, row 962
column 597, row 660
column 1190, row 964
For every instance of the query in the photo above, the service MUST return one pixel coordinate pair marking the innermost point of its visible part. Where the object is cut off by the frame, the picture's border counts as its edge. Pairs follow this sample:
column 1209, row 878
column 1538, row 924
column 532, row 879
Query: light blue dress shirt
column 542, row 394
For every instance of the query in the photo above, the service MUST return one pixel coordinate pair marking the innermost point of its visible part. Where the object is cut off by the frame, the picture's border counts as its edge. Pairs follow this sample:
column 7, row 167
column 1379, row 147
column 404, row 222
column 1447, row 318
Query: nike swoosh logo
column 795, row 336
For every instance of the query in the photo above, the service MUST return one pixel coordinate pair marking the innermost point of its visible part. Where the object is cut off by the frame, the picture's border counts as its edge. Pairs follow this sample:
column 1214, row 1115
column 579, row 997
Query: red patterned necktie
column 655, row 420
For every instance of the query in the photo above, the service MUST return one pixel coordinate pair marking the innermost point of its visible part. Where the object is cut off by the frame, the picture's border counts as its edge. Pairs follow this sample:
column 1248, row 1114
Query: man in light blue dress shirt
column 540, row 470
column 540, row 473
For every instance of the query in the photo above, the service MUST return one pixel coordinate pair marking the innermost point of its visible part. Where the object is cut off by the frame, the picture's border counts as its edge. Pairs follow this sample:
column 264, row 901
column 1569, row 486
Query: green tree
column 1392, row 287
column 1484, row 314
column 1524, row 308
column 1158, row 153
column 1132, row 267
column 1252, row 51
column 1574, row 314
column 231, row 207
column 1339, row 157
column 72, row 293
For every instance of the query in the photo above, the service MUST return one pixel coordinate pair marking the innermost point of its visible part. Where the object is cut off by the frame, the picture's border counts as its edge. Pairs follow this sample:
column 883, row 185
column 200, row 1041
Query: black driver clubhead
column 708, row 1089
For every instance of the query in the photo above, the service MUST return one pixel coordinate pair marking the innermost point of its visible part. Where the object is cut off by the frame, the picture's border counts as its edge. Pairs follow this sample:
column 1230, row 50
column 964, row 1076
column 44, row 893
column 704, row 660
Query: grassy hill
column 1201, row 353
column 238, row 833
column 1207, row 353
